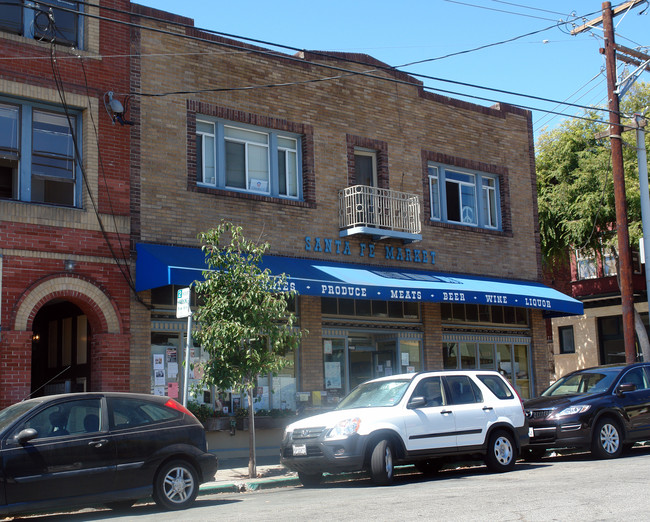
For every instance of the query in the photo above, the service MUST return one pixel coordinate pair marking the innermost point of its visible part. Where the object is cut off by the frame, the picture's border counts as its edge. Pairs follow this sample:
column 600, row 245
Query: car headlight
column 572, row 410
column 344, row 428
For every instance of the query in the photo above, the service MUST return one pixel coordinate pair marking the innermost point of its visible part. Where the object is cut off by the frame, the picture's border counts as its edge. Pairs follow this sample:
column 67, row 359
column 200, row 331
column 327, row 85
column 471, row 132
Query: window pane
column 235, row 165
column 566, row 339
column 453, row 201
column 287, row 143
column 209, row 174
column 258, row 168
column 486, row 356
column 51, row 134
column 450, row 355
column 469, row 204
column 246, row 135
column 363, row 169
column 65, row 28
column 52, row 191
column 282, row 172
column 11, row 16
column 9, row 127
column 467, row 355
column 205, row 127
column 292, row 174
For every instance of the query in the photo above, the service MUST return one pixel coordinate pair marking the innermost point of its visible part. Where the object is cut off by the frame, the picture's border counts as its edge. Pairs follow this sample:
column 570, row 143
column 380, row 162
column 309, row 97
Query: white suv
column 424, row 419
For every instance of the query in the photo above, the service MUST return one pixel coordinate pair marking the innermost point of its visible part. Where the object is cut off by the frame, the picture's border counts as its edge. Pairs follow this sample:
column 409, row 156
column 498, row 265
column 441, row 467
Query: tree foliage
column 245, row 324
column 575, row 186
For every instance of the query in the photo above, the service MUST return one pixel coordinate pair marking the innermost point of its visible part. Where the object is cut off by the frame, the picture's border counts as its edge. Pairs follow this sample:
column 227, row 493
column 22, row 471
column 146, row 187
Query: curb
column 253, row 485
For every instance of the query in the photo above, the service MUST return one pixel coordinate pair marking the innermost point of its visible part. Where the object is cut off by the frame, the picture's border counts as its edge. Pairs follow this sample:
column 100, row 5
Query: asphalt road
column 561, row 488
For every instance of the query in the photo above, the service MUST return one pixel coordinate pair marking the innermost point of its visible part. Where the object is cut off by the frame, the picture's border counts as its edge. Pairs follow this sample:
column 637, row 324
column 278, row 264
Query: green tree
column 575, row 187
column 245, row 324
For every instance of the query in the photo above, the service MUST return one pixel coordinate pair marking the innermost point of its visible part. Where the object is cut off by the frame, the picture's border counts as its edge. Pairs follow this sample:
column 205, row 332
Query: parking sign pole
column 187, row 359
column 183, row 310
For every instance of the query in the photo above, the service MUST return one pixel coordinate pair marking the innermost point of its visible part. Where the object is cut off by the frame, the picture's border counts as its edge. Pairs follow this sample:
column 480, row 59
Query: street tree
column 575, row 189
column 245, row 324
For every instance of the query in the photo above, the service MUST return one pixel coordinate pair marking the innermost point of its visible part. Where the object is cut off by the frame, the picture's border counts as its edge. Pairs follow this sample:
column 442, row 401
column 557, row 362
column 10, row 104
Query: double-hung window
column 248, row 159
column 463, row 197
column 38, row 163
column 33, row 20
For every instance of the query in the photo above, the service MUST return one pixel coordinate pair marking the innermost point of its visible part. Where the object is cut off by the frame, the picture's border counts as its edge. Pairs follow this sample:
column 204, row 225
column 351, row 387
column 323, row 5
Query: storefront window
column 335, row 369
column 410, row 361
column 486, row 356
column 450, row 355
column 521, row 368
column 504, row 361
column 467, row 355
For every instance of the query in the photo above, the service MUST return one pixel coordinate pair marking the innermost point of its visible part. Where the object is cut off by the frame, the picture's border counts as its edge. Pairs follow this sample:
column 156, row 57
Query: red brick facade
column 53, row 255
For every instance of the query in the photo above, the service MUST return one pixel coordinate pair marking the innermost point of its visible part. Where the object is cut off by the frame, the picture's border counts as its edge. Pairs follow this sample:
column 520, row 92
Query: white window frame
column 586, row 265
column 441, row 179
column 372, row 154
column 269, row 186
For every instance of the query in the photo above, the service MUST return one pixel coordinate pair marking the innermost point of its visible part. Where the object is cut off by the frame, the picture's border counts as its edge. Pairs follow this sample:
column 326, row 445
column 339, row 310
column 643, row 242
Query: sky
column 550, row 64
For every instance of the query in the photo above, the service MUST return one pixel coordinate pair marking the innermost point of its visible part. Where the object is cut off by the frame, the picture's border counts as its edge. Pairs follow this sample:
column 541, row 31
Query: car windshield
column 583, row 383
column 375, row 394
column 11, row 413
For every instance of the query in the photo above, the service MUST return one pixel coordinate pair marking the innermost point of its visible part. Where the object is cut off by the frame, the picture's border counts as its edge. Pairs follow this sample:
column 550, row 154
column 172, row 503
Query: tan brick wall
column 398, row 115
column 412, row 123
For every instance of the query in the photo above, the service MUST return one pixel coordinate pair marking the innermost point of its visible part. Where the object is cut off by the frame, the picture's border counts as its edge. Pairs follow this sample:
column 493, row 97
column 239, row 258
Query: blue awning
column 160, row 265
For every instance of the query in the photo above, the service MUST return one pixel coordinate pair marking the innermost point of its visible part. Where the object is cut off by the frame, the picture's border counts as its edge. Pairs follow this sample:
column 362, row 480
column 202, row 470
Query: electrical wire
column 325, row 55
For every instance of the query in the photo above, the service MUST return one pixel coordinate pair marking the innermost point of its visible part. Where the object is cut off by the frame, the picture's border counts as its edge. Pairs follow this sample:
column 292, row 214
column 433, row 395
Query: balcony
column 380, row 213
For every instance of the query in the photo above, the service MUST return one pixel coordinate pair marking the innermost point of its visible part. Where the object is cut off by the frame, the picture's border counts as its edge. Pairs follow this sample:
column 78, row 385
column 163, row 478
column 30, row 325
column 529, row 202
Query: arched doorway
column 61, row 344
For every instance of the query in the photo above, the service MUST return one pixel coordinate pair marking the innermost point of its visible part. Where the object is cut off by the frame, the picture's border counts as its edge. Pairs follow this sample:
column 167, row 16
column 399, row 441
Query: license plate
column 531, row 432
column 299, row 450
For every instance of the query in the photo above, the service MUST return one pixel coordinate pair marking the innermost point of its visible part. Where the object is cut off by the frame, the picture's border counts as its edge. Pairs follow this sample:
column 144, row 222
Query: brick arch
column 99, row 308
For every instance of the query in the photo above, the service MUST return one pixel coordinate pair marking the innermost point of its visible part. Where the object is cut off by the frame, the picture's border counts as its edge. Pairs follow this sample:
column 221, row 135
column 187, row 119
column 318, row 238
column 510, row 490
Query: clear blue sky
column 550, row 64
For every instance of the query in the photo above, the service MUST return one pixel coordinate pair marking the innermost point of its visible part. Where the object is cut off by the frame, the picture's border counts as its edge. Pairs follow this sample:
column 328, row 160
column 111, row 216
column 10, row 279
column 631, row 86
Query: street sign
column 183, row 303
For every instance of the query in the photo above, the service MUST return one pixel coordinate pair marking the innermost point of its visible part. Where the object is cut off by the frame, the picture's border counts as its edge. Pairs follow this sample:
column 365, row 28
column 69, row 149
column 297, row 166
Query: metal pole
column 187, row 358
column 615, row 132
column 645, row 192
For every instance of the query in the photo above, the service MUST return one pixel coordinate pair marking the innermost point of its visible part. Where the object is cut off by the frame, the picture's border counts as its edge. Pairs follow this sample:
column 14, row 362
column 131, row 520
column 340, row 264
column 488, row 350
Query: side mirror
column 26, row 435
column 416, row 402
column 625, row 387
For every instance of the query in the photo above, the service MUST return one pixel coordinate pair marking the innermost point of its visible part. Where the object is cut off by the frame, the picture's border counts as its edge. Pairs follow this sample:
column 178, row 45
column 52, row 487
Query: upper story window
column 248, row 159
column 463, row 197
column 365, row 167
column 37, row 156
column 32, row 20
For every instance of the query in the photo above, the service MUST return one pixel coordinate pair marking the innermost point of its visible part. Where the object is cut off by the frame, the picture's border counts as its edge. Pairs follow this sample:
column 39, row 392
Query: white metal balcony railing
column 361, row 206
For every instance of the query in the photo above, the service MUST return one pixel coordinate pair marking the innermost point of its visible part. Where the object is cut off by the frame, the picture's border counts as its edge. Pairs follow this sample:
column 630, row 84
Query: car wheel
column 176, row 485
column 501, row 452
column 533, row 454
column 428, row 467
column 310, row 480
column 120, row 505
column 381, row 463
column 607, row 443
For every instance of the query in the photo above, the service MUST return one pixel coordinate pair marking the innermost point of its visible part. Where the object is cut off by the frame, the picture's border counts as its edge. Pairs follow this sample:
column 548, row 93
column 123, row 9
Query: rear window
column 130, row 413
column 497, row 386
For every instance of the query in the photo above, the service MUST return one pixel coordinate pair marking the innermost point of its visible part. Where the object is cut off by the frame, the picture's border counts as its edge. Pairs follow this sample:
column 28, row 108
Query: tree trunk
column 642, row 336
column 252, row 464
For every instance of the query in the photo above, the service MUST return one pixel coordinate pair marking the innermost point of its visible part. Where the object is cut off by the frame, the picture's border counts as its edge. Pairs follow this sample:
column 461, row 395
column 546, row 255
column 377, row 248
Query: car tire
column 120, row 505
column 501, row 452
column 381, row 463
column 428, row 467
column 607, row 442
column 533, row 454
column 310, row 480
column 176, row 485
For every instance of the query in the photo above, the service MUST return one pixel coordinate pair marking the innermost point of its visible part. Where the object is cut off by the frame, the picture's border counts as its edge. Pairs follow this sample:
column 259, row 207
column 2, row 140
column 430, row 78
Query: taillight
column 521, row 403
column 175, row 405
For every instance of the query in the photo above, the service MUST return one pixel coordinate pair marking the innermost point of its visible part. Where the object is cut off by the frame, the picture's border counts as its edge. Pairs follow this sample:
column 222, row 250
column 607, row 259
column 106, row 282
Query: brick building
column 406, row 220
column 64, row 201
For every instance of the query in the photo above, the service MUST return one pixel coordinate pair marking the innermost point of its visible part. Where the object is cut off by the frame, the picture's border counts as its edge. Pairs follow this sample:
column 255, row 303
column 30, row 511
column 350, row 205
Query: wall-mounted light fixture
column 69, row 265
column 36, row 337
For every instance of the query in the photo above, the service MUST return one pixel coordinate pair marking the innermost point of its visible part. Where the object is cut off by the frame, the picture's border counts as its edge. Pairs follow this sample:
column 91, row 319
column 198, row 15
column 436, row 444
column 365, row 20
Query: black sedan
column 109, row 448
column 603, row 409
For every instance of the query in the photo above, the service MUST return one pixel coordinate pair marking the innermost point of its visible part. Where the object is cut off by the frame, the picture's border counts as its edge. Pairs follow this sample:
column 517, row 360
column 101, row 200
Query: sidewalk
column 232, row 476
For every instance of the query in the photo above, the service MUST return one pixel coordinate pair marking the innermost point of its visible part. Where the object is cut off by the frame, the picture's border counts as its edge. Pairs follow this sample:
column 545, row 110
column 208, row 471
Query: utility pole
column 616, row 139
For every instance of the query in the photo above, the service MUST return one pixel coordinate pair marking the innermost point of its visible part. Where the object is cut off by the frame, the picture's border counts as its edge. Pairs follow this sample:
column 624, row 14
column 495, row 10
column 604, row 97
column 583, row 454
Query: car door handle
column 487, row 408
column 445, row 412
column 98, row 443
